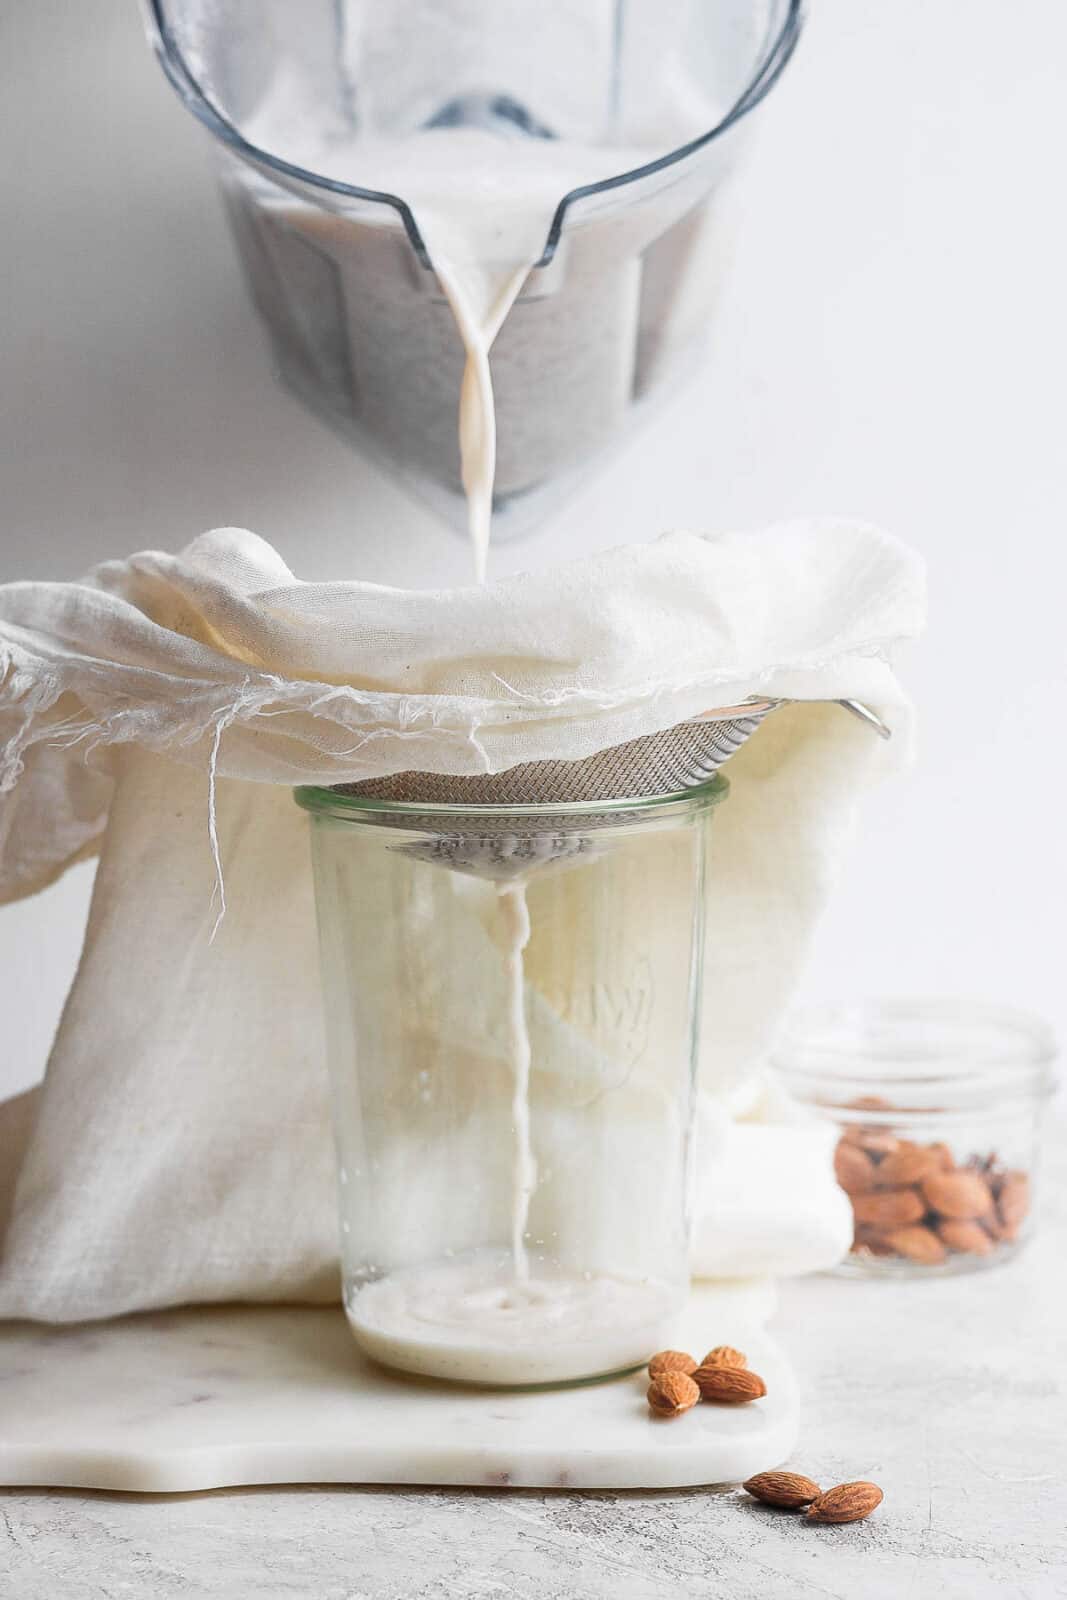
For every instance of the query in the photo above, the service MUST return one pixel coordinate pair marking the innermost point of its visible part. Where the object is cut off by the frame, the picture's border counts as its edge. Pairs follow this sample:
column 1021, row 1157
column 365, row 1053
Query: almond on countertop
column 787, row 1490
column 848, row 1502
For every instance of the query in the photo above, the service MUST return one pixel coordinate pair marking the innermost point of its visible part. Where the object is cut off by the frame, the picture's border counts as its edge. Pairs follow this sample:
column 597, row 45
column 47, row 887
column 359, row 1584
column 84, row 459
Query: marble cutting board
column 219, row 1396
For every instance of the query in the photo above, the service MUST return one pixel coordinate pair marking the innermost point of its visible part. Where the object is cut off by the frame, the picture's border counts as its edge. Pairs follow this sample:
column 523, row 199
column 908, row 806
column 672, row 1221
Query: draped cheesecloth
column 158, row 713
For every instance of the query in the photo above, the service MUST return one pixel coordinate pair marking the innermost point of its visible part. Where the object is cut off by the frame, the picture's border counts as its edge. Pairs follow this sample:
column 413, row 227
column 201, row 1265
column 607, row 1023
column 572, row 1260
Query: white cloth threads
column 181, row 1149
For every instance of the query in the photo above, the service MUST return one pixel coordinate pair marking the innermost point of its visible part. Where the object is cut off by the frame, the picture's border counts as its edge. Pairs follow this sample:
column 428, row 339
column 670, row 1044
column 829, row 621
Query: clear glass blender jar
column 652, row 96
column 512, row 999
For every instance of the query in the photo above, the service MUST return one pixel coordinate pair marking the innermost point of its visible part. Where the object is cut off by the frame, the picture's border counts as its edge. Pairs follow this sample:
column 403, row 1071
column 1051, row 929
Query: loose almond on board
column 671, row 1361
column 848, row 1502
column 724, row 1355
column 787, row 1490
column 729, row 1386
column 672, row 1393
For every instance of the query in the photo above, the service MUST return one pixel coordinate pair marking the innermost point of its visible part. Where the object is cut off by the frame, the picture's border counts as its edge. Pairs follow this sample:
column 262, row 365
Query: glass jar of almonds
column 939, row 1105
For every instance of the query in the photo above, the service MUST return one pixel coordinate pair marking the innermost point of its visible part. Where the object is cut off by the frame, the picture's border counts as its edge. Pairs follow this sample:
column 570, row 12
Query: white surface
column 892, row 346
column 197, row 1399
column 949, row 1394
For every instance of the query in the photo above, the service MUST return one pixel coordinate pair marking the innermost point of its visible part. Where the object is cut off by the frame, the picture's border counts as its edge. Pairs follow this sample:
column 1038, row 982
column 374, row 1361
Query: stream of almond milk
column 484, row 205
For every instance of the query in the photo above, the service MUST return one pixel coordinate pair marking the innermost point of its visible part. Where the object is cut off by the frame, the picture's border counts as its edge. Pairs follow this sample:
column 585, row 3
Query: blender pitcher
column 584, row 140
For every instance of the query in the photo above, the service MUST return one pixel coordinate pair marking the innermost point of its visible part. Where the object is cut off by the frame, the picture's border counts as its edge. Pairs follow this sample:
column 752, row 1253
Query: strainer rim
column 320, row 799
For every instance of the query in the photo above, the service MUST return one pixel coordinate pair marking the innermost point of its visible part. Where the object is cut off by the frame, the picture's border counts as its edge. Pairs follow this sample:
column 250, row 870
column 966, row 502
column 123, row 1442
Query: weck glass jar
column 939, row 1104
column 512, row 1004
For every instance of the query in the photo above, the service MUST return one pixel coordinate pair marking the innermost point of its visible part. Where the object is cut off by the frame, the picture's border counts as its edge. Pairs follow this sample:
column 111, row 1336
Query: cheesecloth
column 158, row 713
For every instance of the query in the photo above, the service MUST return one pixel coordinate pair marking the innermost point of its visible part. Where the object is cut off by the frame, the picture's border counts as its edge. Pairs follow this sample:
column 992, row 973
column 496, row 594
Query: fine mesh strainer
column 500, row 844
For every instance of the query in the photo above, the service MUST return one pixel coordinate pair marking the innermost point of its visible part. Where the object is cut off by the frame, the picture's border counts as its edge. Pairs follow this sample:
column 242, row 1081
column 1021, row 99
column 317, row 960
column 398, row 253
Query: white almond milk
column 470, row 1320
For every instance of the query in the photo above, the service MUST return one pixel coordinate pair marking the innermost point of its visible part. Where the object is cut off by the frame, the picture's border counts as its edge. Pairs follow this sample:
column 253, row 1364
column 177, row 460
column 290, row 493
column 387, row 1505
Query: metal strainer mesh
column 502, row 845
column 491, row 841
column 655, row 764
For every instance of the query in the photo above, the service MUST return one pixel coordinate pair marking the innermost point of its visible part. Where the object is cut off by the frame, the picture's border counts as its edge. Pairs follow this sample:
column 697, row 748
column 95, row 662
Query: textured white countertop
column 949, row 1393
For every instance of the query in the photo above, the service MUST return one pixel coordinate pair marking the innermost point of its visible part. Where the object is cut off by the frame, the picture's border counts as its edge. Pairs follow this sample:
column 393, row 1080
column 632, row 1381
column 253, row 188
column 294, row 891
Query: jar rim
column 971, row 1049
column 321, row 800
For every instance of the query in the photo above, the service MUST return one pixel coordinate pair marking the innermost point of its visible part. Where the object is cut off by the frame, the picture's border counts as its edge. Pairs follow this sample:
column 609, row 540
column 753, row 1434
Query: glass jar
column 939, row 1103
column 303, row 96
column 511, row 1002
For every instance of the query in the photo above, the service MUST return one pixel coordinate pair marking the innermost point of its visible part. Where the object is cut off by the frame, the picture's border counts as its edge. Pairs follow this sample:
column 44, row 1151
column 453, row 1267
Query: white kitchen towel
column 159, row 712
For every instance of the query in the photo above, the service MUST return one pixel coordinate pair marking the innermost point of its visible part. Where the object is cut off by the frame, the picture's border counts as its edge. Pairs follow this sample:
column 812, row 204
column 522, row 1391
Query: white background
column 892, row 346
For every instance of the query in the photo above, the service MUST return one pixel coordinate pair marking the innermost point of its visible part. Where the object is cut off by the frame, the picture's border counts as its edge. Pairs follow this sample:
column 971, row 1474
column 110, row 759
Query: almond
column 908, row 1163
column 960, row 1195
column 943, row 1154
column 848, row 1502
column 671, row 1361
column 853, row 1168
column 785, row 1489
column 729, row 1386
column 724, row 1355
column 1013, row 1202
column 916, row 1244
column 888, row 1208
column 970, row 1237
column 871, row 1240
column 672, row 1393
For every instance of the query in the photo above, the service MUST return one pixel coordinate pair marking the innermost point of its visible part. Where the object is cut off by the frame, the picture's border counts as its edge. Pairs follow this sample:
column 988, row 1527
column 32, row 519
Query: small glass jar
column 512, row 1012
column 939, row 1103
